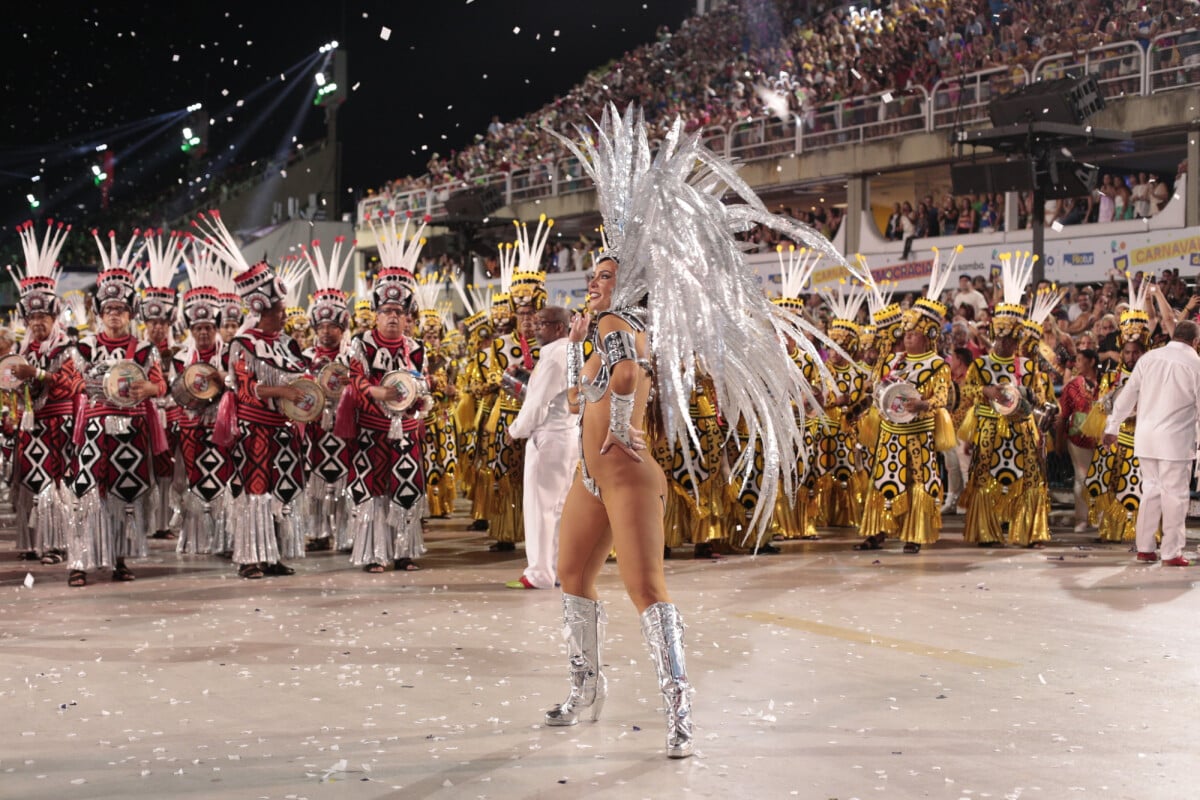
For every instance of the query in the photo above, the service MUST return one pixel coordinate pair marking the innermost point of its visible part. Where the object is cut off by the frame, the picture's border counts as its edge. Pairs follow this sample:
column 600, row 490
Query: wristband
column 619, row 415
column 574, row 363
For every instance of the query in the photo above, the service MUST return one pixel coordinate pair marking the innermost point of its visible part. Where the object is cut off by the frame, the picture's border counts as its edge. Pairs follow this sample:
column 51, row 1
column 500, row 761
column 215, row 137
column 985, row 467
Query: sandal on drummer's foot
column 1035, row 546
column 766, row 548
column 250, row 571
column 373, row 568
column 28, row 555
column 77, row 577
column 872, row 542
column 912, row 547
column 278, row 568
column 123, row 573
column 52, row 557
column 406, row 565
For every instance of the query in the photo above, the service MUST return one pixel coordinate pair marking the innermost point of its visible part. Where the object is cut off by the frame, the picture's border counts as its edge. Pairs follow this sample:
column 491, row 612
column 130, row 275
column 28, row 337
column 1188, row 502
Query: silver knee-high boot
column 663, row 629
column 584, row 622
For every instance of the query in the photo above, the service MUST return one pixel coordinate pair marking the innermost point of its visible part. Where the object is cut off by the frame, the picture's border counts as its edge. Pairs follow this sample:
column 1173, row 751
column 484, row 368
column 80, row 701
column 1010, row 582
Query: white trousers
column 1164, row 497
column 550, row 461
column 958, row 469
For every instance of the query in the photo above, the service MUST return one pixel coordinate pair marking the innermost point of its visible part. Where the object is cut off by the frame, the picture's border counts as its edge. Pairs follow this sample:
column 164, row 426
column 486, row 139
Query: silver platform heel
column 663, row 629
column 583, row 622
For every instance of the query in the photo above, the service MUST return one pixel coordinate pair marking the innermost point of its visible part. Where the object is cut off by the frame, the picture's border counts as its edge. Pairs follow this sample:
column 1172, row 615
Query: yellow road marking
column 903, row 645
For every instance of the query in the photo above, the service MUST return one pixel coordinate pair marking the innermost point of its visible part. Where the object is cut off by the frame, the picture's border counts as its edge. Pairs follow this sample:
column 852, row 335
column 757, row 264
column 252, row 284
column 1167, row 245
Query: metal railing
column 963, row 102
column 1172, row 61
column 1119, row 68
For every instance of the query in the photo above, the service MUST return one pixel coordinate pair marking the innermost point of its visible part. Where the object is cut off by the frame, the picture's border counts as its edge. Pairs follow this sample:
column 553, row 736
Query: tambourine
column 893, row 402
column 197, row 386
column 308, row 408
column 413, row 391
column 1009, row 401
column 113, row 382
column 514, row 381
column 333, row 379
column 8, row 380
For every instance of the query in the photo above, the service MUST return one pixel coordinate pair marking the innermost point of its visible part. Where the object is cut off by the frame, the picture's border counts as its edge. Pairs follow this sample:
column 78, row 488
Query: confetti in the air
column 385, row 33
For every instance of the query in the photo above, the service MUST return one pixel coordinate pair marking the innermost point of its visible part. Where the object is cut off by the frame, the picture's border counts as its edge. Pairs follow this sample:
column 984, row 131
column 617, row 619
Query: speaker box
column 1068, row 101
column 1065, row 177
column 1008, row 176
column 476, row 202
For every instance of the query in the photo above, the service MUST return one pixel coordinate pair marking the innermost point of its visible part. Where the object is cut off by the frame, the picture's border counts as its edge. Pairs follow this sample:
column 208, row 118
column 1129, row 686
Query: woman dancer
column 671, row 267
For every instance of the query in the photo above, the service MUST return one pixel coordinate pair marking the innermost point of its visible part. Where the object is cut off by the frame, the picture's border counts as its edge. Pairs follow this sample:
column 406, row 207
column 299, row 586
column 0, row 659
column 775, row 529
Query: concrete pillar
column 1192, row 209
column 857, row 208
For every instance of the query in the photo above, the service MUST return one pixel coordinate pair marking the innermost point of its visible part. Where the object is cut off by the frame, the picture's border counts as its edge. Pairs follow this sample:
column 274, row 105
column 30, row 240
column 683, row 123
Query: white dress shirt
column 1165, row 391
column 545, row 405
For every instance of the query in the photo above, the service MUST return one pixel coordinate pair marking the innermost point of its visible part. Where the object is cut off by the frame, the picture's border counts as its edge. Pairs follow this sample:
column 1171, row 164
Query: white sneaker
column 1081, row 527
column 951, row 504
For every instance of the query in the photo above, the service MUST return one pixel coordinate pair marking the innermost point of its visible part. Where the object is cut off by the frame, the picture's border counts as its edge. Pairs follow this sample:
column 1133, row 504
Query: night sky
column 122, row 74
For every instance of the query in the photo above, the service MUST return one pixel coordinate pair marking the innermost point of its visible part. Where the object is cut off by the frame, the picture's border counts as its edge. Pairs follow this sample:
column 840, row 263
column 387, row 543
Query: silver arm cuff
column 619, row 415
column 574, row 363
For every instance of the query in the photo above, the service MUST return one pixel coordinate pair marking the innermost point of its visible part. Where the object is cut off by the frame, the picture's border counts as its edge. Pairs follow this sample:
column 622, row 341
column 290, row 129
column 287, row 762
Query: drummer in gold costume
column 904, row 497
column 440, row 445
column 695, row 506
column 843, row 483
column 797, row 520
column 1000, row 495
column 878, row 344
column 1039, row 388
column 1114, row 478
column 514, row 356
column 475, row 401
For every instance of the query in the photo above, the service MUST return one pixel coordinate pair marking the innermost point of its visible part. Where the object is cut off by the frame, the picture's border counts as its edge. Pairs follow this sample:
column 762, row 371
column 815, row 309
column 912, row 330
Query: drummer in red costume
column 387, row 480
column 208, row 468
column 328, row 454
column 118, row 434
column 268, row 448
column 47, row 368
column 157, row 311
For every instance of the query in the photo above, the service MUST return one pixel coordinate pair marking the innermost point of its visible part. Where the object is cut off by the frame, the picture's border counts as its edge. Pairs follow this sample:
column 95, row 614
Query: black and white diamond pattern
column 84, row 479
column 36, row 477
column 330, row 467
column 407, row 472
column 129, row 486
column 210, row 462
column 286, row 487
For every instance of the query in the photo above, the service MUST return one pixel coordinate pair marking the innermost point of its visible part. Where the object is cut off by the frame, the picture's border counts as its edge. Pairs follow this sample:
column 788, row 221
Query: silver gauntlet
column 619, row 415
column 574, row 363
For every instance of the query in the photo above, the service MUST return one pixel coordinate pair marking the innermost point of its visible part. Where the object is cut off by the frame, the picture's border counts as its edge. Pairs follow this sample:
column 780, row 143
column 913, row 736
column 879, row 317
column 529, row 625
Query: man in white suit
column 551, row 452
column 1165, row 391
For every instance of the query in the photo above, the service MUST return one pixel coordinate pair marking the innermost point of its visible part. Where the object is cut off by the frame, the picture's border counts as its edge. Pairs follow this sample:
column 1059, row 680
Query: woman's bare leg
column 635, row 513
column 584, row 541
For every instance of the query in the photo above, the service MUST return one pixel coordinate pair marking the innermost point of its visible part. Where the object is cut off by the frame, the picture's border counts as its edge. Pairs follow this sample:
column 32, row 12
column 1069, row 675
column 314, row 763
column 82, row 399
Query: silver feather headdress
column 675, row 241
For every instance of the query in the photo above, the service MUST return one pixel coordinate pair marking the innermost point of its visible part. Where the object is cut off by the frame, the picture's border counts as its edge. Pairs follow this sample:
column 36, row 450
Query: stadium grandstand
column 847, row 118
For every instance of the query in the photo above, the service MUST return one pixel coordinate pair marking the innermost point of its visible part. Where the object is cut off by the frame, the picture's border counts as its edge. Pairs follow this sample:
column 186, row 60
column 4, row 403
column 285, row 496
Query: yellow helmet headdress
column 1015, row 272
column 1135, row 322
column 928, row 313
column 794, row 273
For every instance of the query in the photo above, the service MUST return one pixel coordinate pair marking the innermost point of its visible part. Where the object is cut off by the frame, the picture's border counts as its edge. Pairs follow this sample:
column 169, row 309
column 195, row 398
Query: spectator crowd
column 712, row 70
